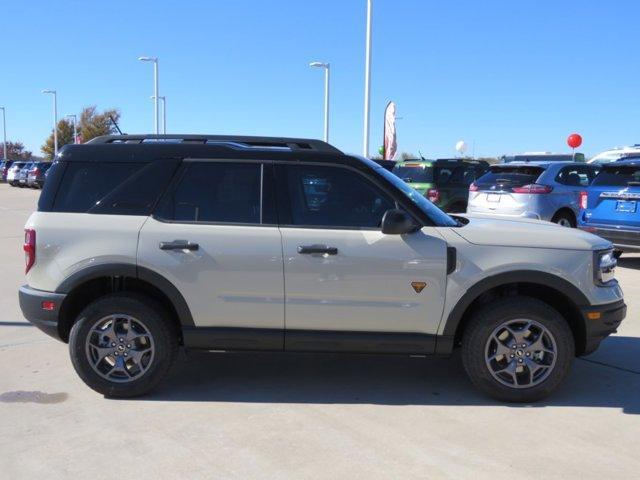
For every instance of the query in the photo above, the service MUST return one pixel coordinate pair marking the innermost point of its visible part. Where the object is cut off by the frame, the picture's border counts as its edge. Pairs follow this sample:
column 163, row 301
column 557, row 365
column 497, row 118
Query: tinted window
column 510, row 176
column 416, row 173
column 620, row 176
column 86, row 183
column 215, row 192
column 334, row 197
column 574, row 176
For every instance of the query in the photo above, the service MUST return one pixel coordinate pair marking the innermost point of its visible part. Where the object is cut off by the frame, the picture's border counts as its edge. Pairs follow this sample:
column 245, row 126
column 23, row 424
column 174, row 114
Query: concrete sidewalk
column 306, row 416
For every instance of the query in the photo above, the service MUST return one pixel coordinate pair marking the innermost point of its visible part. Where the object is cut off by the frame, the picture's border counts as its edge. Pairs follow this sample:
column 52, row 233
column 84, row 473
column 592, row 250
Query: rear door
column 214, row 237
column 573, row 180
column 342, row 274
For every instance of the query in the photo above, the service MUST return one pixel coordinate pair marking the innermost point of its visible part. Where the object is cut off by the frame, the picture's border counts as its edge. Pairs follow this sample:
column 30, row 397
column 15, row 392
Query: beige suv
column 144, row 244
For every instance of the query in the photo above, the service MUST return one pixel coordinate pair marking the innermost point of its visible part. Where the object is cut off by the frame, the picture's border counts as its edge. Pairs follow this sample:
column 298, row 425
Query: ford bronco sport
column 143, row 244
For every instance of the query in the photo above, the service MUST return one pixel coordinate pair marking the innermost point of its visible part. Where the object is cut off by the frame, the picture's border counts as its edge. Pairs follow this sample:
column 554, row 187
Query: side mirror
column 397, row 222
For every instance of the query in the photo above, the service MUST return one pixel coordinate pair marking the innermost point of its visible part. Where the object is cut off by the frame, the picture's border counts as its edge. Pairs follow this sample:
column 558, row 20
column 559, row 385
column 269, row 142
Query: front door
column 215, row 239
column 342, row 274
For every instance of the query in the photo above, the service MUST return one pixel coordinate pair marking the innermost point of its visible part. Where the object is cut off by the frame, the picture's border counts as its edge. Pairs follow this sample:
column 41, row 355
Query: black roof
column 233, row 141
column 147, row 148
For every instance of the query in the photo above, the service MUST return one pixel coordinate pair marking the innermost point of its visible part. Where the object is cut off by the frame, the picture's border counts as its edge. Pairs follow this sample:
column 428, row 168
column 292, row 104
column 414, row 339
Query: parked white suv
column 142, row 244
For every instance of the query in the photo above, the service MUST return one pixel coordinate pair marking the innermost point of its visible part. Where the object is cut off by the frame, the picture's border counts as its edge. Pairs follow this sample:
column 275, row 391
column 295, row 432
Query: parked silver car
column 542, row 190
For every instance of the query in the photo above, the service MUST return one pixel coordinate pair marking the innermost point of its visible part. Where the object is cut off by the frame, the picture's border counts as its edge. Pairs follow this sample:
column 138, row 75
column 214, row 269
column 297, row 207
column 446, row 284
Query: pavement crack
column 611, row 366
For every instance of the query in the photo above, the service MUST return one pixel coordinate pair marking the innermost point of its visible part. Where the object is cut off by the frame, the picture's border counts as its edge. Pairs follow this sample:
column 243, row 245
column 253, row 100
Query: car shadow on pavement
column 387, row 380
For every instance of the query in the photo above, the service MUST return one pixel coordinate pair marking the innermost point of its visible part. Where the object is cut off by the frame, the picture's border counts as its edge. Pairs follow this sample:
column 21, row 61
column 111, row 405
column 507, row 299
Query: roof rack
column 232, row 141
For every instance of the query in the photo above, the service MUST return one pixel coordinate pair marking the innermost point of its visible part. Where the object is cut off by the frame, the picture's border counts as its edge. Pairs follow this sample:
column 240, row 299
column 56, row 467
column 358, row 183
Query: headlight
column 604, row 267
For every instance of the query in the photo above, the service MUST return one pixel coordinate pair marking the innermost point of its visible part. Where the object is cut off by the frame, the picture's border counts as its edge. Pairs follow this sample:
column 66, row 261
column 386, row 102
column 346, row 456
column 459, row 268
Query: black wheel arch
column 94, row 281
column 553, row 290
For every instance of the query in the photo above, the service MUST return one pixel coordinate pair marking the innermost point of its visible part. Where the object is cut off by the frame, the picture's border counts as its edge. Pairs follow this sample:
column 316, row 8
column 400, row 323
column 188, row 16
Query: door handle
column 179, row 245
column 310, row 249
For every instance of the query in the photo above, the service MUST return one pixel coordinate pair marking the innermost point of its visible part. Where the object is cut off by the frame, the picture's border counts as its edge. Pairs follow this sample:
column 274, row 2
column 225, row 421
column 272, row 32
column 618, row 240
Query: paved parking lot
column 305, row 416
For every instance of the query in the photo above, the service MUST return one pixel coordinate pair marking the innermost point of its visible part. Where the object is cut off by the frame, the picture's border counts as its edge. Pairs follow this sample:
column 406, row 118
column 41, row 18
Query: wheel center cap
column 121, row 348
column 519, row 353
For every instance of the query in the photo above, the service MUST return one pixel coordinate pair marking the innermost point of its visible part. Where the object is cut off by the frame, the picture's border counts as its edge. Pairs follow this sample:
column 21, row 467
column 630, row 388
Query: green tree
column 94, row 124
column 65, row 136
column 16, row 151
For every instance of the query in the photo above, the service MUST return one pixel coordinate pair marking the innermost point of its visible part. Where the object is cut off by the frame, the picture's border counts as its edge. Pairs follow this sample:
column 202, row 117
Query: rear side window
column 116, row 188
column 215, row 192
column 574, row 176
column 510, row 176
column 620, row 176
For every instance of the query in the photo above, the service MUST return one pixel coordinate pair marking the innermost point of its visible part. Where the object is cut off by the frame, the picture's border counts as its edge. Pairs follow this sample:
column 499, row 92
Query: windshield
column 438, row 217
column 417, row 173
column 621, row 176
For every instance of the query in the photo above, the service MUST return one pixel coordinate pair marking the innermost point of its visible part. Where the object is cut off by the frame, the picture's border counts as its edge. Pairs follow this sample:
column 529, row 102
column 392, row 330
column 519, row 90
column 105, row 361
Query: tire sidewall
column 493, row 315
column 158, row 326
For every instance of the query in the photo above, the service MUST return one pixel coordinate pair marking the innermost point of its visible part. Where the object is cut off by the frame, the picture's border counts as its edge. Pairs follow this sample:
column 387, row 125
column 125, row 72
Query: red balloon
column 574, row 140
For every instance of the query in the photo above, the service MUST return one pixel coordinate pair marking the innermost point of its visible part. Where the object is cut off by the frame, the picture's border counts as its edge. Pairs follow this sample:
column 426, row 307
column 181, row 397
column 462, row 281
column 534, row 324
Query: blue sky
column 505, row 76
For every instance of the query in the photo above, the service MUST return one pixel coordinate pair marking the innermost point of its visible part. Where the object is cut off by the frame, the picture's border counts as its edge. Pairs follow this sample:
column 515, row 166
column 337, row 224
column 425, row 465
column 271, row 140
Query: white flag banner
column 390, row 144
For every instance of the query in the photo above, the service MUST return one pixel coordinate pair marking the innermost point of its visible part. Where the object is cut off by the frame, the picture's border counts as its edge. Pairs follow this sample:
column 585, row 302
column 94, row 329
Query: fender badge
column 418, row 286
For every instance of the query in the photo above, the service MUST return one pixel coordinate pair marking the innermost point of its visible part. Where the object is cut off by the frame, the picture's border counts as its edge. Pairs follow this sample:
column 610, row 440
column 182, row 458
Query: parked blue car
column 610, row 207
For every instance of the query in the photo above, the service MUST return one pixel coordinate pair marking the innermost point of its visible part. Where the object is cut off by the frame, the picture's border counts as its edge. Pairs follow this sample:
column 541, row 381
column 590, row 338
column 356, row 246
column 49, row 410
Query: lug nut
column 115, row 353
column 113, row 344
column 121, row 340
column 519, row 360
column 524, row 345
column 128, row 346
column 512, row 355
column 513, row 346
column 125, row 354
column 528, row 354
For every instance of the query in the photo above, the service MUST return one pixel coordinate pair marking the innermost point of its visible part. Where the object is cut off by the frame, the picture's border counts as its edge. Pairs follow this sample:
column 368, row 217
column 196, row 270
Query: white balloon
column 461, row 146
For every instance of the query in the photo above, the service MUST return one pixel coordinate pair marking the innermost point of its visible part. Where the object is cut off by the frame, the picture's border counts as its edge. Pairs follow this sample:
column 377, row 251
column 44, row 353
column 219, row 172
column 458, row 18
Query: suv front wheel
column 517, row 349
column 122, row 345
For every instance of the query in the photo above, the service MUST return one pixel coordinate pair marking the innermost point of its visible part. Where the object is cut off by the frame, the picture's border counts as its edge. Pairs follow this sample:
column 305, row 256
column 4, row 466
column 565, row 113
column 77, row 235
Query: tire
column 478, row 343
column 565, row 219
column 156, row 350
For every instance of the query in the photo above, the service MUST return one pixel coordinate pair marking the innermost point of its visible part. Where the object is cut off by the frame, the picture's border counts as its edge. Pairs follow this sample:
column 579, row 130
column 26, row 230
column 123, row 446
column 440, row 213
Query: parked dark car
column 444, row 181
column 4, row 169
column 37, row 174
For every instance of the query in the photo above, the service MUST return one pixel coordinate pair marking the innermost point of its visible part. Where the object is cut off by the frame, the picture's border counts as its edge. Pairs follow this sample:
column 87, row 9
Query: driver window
column 334, row 197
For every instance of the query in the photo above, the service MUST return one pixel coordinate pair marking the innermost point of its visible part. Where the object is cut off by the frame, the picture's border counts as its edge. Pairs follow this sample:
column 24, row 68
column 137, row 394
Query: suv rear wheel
column 517, row 349
column 565, row 219
column 122, row 345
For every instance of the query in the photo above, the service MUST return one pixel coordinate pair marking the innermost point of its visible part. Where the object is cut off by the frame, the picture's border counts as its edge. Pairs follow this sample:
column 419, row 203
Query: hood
column 488, row 230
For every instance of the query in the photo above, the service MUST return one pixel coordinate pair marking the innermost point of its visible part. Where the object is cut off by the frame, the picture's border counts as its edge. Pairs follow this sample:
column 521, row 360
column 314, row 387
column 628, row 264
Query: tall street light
column 155, row 88
column 327, row 73
column 55, row 120
column 367, row 82
column 4, row 133
column 164, row 113
column 75, row 131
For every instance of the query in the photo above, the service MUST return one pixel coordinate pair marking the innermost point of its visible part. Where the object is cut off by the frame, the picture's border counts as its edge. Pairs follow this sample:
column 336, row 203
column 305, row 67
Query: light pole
column 55, row 120
column 75, row 131
column 164, row 113
column 327, row 73
column 4, row 133
column 155, row 88
column 367, row 82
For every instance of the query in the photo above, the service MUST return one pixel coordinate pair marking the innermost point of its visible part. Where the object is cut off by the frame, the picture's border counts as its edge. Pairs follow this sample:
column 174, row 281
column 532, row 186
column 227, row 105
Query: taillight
column 584, row 200
column 35, row 171
column 473, row 187
column 433, row 194
column 29, row 248
column 533, row 188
